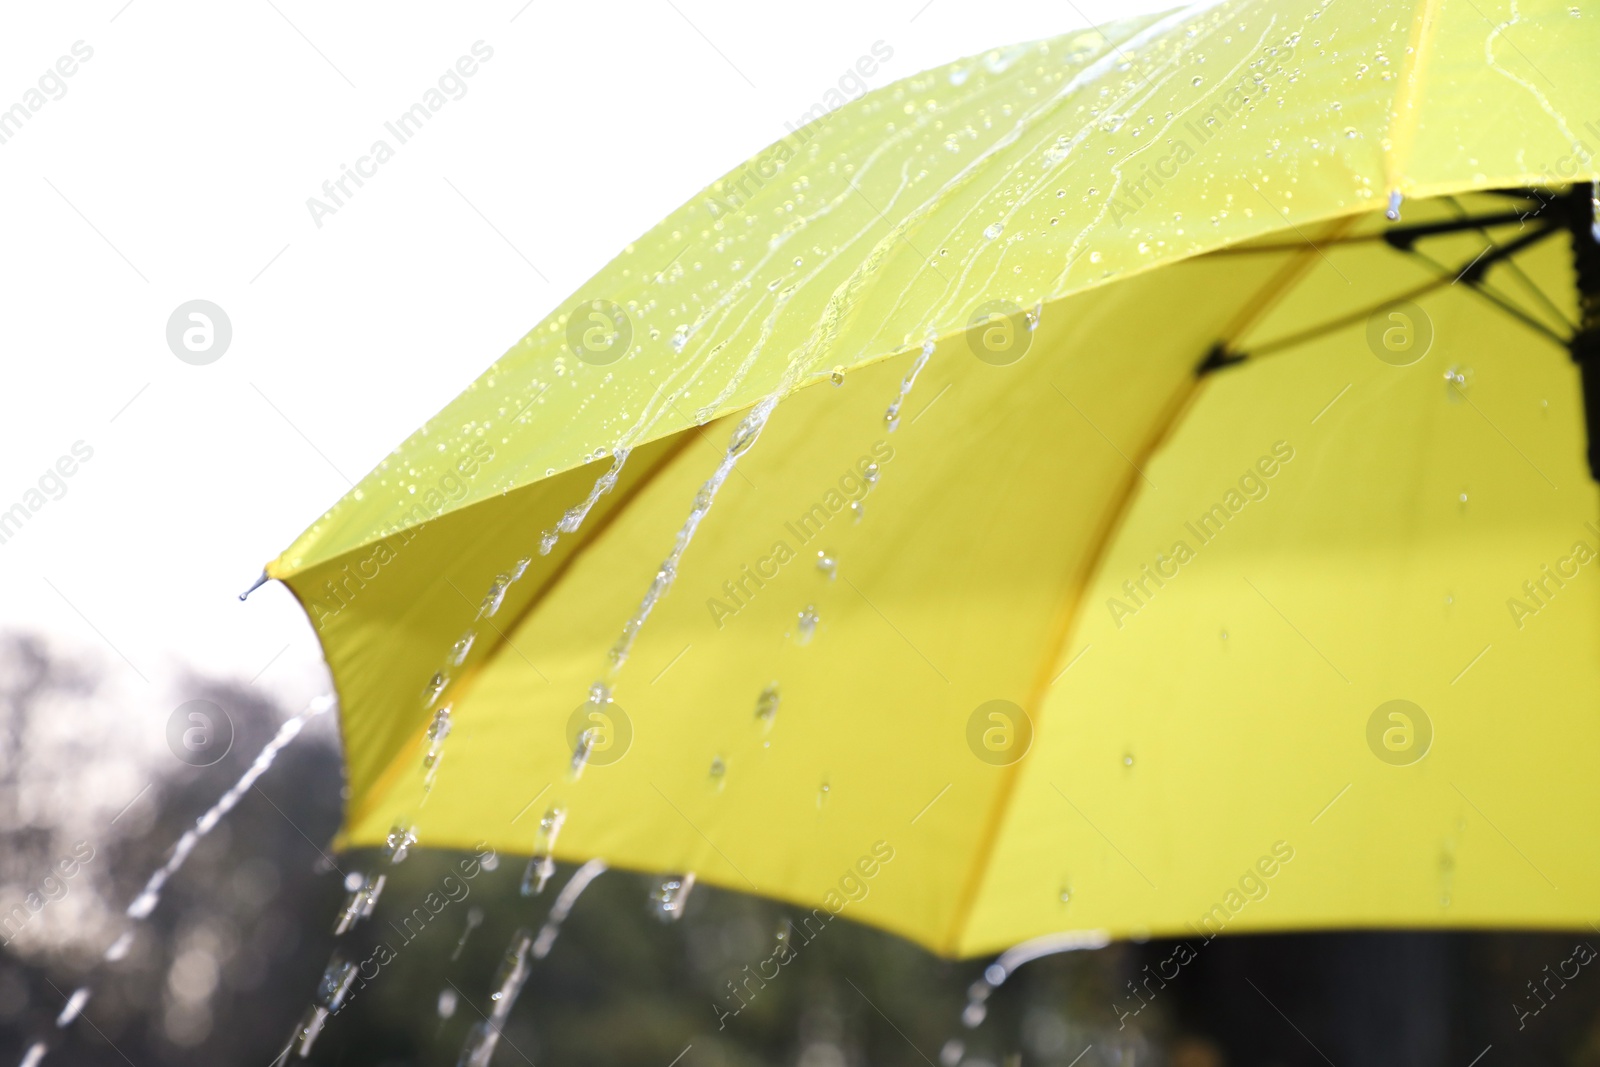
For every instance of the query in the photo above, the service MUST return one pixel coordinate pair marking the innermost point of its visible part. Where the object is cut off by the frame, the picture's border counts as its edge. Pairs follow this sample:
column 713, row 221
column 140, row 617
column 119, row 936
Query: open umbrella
column 1130, row 482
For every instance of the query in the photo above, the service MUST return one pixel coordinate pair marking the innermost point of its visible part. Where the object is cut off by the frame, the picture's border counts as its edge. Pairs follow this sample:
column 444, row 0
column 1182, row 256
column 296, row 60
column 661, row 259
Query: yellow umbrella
column 1192, row 586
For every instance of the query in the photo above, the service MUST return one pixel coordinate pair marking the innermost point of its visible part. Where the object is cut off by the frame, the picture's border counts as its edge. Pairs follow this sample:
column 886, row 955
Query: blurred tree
column 228, row 964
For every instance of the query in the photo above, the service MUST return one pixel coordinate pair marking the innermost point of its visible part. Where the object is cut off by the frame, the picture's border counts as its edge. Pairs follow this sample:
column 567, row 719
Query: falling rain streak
column 512, row 976
column 145, row 902
column 563, row 906
column 542, row 864
column 150, row 896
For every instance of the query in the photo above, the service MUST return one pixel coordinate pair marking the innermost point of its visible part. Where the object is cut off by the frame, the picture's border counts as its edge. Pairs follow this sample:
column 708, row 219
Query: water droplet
column 1392, row 213
column 541, row 865
column 398, row 844
column 857, row 510
column 463, row 645
column 435, row 686
column 680, row 337
column 439, row 727
column 1066, row 894
column 119, row 948
column 495, row 596
column 745, row 434
column 1458, row 379
column 995, row 229
column 871, row 474
column 827, row 564
column 537, row 875
column 973, row 1015
column 837, row 375
column 363, row 898
column 1127, row 759
column 73, row 1008
column 719, row 771
column 1196, row 80
column 335, row 983
column 950, row 1053
column 806, row 625
column 447, row 1003
column 767, row 703
column 822, row 794
column 670, row 895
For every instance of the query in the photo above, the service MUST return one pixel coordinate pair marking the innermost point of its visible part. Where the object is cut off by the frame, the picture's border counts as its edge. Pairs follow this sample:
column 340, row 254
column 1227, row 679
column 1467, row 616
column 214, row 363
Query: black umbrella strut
column 1544, row 212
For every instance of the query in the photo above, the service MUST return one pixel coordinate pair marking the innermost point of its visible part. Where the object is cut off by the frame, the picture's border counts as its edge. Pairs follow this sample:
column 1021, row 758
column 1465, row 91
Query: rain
column 975, row 781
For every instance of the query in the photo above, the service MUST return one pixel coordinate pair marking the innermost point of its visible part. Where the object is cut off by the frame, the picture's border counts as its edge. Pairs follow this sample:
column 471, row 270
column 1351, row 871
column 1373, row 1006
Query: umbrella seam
column 1404, row 113
column 383, row 781
column 1282, row 282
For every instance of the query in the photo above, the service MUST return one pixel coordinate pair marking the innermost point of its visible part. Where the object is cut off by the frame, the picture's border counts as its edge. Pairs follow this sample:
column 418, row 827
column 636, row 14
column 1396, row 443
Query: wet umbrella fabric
column 1192, row 585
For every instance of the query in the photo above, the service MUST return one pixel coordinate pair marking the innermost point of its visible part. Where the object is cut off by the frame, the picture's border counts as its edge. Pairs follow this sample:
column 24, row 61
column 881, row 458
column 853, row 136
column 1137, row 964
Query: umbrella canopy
column 1196, row 584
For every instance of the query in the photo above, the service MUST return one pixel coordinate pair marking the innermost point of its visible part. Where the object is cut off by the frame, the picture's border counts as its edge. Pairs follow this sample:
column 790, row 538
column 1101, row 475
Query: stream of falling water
column 150, row 895
column 563, row 906
column 1003, row 967
column 513, row 975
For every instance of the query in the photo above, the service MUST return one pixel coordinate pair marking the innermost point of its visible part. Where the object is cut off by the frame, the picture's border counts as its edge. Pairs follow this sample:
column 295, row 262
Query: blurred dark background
column 226, row 967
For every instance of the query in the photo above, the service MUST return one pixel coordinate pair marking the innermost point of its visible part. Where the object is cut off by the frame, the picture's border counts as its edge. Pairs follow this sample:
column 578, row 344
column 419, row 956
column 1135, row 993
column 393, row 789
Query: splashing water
column 670, row 895
column 1008, row 961
column 332, row 988
column 438, row 730
column 892, row 416
column 573, row 517
column 743, row 439
column 599, row 700
column 435, row 686
column 563, row 906
column 150, row 896
column 480, row 1044
column 398, row 844
column 360, row 903
column 541, row 865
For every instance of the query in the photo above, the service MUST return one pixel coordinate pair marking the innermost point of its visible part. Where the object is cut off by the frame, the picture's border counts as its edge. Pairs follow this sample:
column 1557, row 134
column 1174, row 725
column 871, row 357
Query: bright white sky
column 176, row 166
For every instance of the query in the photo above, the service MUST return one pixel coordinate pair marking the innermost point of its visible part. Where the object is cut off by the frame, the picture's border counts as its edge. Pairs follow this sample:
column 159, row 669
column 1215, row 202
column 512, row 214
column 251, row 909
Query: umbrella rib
column 1512, row 265
column 1224, row 357
column 1072, row 601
